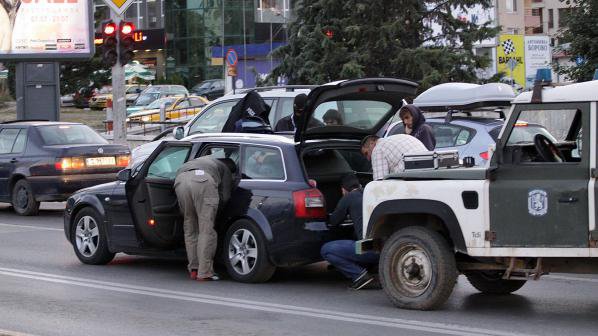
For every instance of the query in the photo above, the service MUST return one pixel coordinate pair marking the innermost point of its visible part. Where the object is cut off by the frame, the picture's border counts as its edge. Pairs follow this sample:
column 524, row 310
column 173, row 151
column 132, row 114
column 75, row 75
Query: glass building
column 199, row 33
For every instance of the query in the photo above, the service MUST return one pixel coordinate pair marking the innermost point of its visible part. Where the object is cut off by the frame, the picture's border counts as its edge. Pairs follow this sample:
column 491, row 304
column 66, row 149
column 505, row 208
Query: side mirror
column 178, row 132
column 124, row 175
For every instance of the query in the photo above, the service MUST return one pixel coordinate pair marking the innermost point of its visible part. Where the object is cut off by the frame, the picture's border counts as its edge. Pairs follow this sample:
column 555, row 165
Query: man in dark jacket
column 415, row 125
column 341, row 253
column 201, row 186
column 294, row 121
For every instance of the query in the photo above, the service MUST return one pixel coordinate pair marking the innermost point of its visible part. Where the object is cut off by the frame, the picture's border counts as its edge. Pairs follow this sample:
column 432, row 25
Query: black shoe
column 362, row 280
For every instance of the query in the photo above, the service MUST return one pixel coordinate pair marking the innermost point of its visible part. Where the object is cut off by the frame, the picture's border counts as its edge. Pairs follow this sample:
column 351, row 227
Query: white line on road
column 432, row 327
column 570, row 278
column 31, row 227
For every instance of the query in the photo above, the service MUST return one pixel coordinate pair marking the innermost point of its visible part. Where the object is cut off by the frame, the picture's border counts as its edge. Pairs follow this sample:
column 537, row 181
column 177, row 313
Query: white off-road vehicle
column 531, row 212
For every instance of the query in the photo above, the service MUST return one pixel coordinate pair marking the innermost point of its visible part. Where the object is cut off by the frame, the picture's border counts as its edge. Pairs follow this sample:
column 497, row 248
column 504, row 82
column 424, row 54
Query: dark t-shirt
column 350, row 204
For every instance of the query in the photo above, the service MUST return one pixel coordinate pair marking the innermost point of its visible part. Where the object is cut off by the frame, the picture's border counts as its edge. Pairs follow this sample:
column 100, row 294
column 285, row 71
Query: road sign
column 119, row 6
column 231, row 57
column 232, row 71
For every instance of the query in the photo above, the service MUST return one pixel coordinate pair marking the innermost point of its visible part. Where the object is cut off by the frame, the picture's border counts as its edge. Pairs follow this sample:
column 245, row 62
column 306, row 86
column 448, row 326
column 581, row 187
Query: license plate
column 100, row 161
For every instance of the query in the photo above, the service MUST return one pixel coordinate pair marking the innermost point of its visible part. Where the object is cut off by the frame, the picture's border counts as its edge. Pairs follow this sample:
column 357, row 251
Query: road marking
column 31, row 227
column 12, row 333
column 432, row 327
column 562, row 277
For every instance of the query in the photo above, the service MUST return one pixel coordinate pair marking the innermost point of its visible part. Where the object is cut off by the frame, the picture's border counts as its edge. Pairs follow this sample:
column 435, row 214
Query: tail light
column 123, row 160
column 309, row 204
column 70, row 163
column 485, row 155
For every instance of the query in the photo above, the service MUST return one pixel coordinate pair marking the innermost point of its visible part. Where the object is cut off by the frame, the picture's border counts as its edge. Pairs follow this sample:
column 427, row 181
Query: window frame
column 244, row 159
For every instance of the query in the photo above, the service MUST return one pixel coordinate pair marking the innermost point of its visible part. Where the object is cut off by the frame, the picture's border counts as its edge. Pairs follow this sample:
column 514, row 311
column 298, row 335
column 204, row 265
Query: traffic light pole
column 119, row 102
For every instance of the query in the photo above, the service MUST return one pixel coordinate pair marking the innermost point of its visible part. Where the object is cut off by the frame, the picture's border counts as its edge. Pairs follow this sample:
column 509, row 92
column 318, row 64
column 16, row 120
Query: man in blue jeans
column 341, row 253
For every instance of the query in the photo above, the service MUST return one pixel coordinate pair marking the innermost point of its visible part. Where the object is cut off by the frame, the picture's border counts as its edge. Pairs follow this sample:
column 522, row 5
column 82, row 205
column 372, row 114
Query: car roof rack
column 288, row 88
column 22, row 120
column 449, row 114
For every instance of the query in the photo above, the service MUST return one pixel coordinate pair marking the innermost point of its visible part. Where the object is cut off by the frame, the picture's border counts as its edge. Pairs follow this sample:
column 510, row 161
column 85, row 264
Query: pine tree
column 580, row 21
column 343, row 39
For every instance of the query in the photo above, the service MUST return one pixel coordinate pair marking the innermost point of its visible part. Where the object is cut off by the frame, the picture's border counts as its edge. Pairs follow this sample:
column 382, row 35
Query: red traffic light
column 110, row 28
column 126, row 28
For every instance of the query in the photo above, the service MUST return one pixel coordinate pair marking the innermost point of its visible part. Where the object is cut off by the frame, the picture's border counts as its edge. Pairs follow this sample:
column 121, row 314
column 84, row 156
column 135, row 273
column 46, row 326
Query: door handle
column 568, row 199
column 14, row 160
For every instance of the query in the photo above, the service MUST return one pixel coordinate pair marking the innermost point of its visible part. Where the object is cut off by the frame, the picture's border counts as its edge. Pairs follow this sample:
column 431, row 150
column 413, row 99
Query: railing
column 144, row 127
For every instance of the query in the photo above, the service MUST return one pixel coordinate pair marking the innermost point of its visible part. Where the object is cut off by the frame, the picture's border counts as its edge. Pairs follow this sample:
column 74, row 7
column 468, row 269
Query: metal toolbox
column 431, row 160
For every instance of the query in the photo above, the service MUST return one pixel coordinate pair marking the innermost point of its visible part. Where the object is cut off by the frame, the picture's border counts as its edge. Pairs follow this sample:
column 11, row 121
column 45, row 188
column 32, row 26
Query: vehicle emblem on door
column 101, row 150
column 537, row 202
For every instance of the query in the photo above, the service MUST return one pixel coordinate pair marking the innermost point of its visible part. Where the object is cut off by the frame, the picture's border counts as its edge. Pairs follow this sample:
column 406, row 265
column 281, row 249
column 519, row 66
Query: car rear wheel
column 89, row 240
column 245, row 254
column 23, row 199
column 493, row 283
column 417, row 269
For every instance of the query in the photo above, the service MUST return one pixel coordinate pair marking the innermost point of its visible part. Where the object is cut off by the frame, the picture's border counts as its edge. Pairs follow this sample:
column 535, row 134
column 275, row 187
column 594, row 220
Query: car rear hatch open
column 365, row 105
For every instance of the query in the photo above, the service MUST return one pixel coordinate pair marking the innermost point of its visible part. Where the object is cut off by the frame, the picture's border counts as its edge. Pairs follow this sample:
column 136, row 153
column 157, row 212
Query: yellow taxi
column 176, row 107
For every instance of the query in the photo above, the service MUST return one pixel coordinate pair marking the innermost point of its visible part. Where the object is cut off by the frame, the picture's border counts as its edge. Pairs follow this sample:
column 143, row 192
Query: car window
column 212, row 120
column 286, row 107
column 449, row 135
column 7, row 139
column 158, row 103
column 362, row 114
column 196, row 102
column 221, row 152
column 21, row 141
column 263, row 163
column 166, row 164
column 182, row 104
column 146, row 99
column 69, row 135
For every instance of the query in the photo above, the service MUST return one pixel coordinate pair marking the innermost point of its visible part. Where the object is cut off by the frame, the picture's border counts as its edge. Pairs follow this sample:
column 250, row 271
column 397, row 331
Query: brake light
column 123, row 160
column 485, row 155
column 70, row 163
column 151, row 222
column 309, row 204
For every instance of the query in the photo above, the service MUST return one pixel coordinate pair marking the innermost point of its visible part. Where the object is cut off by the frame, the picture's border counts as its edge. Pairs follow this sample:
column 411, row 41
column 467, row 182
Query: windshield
column 146, row 99
column 526, row 134
column 362, row 114
column 156, row 104
column 69, row 135
column 204, row 85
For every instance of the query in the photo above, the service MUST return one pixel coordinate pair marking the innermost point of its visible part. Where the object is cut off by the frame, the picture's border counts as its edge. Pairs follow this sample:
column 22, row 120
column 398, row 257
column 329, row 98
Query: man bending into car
column 341, row 253
column 386, row 154
column 201, row 185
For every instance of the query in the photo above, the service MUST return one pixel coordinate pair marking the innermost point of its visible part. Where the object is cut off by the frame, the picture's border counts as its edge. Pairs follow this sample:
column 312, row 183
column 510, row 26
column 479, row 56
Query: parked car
column 48, row 161
column 98, row 100
column 132, row 92
column 154, row 92
column 67, row 100
column 175, row 107
column 277, row 213
column 211, row 89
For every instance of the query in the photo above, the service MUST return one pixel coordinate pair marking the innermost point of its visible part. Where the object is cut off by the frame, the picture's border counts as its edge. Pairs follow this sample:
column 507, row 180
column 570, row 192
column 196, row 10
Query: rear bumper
column 59, row 188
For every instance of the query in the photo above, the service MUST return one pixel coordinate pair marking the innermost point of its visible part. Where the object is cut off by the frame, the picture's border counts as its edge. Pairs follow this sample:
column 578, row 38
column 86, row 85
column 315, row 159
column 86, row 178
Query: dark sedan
column 48, row 161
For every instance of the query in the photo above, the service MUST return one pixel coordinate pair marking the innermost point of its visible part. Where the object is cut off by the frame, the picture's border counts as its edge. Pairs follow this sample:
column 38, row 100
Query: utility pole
column 119, row 103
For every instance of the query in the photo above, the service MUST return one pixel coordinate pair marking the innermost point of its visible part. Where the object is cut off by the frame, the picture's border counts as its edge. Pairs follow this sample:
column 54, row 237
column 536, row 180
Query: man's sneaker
column 213, row 277
column 362, row 280
column 193, row 274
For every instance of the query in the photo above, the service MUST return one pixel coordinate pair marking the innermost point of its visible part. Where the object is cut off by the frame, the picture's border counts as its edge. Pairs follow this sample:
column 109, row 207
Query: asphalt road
column 45, row 290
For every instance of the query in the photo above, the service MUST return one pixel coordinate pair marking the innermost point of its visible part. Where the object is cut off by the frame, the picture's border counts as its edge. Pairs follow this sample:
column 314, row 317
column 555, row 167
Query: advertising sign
column 537, row 55
column 510, row 58
column 51, row 29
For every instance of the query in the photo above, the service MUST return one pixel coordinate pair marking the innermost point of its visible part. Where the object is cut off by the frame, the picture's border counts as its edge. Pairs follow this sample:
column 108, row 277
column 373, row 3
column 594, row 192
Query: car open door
column 152, row 197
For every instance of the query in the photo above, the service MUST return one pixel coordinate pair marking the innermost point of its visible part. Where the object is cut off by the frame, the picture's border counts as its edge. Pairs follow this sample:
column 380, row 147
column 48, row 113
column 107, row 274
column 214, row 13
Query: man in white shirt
column 386, row 154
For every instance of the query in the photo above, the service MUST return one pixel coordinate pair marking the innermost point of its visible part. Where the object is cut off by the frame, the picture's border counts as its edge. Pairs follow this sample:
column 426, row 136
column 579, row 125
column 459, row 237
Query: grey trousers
column 198, row 200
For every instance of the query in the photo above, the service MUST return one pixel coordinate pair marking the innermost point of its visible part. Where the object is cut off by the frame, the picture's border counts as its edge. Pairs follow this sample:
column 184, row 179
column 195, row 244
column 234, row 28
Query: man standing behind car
column 386, row 154
column 341, row 253
column 201, row 185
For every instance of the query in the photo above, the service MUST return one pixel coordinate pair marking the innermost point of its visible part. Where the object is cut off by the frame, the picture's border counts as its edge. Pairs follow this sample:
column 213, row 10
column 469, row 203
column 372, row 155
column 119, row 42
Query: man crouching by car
column 201, row 186
column 341, row 253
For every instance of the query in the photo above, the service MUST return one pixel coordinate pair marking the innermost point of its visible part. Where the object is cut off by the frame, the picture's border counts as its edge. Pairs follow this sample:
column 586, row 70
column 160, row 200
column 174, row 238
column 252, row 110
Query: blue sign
column 579, row 60
column 231, row 57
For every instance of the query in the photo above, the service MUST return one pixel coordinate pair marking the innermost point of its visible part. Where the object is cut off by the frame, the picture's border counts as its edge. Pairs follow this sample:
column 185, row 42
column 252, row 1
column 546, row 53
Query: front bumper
column 59, row 188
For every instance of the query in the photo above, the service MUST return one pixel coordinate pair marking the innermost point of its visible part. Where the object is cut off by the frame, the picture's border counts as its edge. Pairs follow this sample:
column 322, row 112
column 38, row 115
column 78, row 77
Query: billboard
column 510, row 58
column 537, row 55
column 50, row 29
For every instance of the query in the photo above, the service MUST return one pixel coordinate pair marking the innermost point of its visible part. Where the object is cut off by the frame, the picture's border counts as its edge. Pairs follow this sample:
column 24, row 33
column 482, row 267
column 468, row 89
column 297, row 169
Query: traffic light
column 109, row 51
column 127, row 43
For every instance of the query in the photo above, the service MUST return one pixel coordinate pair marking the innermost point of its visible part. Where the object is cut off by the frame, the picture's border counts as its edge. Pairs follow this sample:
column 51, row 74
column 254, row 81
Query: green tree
column 340, row 39
column 580, row 22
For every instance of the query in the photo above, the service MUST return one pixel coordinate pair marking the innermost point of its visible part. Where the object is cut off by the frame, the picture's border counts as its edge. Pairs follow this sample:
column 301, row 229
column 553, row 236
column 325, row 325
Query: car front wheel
column 417, row 269
column 23, row 199
column 245, row 254
column 89, row 240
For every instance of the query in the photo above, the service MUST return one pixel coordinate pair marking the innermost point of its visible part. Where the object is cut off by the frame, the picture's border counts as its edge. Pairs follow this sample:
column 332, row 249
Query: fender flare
column 261, row 221
column 421, row 206
column 85, row 201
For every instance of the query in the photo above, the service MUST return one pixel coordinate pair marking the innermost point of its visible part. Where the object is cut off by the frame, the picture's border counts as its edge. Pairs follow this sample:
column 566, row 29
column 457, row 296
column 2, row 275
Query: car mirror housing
column 124, row 175
column 178, row 132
